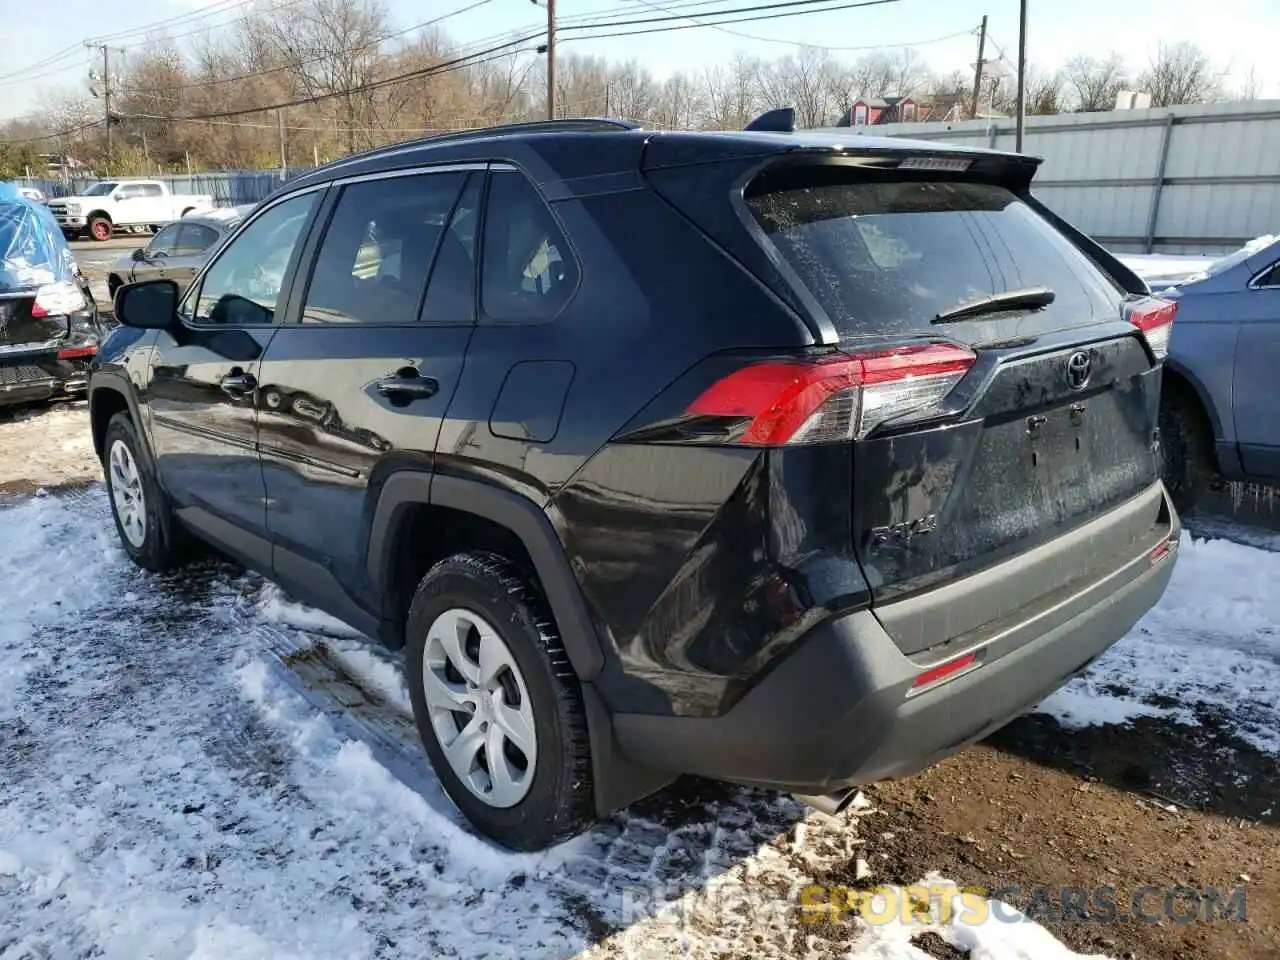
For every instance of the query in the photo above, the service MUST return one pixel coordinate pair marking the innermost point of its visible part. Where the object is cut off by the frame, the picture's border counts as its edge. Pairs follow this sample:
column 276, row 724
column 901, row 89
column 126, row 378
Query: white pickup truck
column 114, row 204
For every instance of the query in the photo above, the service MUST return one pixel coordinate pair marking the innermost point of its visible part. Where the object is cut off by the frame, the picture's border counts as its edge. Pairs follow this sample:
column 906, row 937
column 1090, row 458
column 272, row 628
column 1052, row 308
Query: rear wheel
column 1186, row 448
column 100, row 229
column 497, row 704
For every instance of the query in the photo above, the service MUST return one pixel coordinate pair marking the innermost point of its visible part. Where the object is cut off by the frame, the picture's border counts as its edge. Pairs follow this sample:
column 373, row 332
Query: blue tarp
column 33, row 251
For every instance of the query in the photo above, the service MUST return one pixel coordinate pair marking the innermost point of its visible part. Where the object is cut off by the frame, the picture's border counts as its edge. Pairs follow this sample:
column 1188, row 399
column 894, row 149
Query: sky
column 44, row 59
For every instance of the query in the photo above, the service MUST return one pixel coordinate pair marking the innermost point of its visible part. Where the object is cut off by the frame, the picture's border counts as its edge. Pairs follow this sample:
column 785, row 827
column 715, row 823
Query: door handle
column 406, row 387
column 237, row 384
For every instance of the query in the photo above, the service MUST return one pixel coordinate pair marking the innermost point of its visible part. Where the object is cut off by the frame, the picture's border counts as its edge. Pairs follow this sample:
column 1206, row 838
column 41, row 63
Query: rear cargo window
column 885, row 257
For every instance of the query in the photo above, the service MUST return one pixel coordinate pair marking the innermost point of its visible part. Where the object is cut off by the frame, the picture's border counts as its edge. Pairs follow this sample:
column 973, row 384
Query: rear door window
column 529, row 273
column 883, row 257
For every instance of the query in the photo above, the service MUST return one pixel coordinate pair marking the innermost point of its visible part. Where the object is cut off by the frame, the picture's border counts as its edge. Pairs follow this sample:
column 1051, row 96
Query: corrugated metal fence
column 229, row 188
column 1189, row 179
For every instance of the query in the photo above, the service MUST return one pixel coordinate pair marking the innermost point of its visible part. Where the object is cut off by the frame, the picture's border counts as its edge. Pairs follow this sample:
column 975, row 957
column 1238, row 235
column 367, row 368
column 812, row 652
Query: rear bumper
column 38, row 378
column 839, row 712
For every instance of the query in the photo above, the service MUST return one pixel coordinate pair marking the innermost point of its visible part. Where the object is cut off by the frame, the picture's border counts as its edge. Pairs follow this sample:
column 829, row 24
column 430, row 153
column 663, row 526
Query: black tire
column 113, row 284
column 165, row 544
column 559, row 802
column 1186, row 448
column 97, row 225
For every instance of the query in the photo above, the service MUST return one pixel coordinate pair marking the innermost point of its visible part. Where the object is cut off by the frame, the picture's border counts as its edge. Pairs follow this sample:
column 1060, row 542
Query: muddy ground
column 1153, row 804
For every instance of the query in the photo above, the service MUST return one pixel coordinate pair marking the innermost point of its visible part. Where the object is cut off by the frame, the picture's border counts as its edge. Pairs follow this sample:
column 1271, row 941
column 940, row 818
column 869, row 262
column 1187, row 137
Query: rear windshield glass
column 885, row 257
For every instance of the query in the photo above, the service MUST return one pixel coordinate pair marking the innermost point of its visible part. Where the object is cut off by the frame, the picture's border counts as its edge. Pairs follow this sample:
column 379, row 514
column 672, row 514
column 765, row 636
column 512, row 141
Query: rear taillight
column 58, row 300
column 1155, row 319
column 76, row 353
column 843, row 397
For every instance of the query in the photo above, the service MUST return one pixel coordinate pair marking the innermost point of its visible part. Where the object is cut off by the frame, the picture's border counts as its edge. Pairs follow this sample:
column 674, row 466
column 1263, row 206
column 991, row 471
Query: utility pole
column 551, row 59
column 977, row 73
column 1022, row 74
column 106, row 91
column 284, row 163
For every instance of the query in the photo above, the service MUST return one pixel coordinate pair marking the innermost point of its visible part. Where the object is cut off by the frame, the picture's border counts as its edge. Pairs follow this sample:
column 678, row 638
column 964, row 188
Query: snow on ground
column 166, row 793
column 1213, row 642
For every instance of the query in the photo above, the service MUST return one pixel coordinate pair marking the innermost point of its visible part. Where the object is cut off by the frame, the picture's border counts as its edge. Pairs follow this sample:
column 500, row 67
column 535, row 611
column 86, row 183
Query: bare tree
column 1046, row 94
column 1181, row 73
column 732, row 93
column 874, row 75
column 1250, row 86
column 631, row 86
column 1095, row 83
column 801, row 80
column 332, row 48
column 910, row 73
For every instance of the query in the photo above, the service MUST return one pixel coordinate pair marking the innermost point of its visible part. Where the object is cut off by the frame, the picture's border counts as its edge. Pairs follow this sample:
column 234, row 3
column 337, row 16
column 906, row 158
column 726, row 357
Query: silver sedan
column 178, row 250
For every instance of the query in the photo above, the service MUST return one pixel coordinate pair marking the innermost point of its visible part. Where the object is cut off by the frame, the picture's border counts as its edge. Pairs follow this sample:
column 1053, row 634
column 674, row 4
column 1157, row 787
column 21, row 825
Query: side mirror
column 149, row 305
column 139, row 255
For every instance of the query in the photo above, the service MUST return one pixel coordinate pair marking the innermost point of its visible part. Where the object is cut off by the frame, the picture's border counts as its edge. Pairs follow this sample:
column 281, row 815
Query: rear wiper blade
column 1032, row 298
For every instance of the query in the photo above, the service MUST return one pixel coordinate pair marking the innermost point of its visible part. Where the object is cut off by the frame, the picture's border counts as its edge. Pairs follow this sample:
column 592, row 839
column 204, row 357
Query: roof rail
column 571, row 125
column 575, row 124
column 781, row 120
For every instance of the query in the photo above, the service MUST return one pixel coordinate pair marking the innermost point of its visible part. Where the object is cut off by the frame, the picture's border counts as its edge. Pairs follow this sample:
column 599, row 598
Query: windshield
column 101, row 189
column 886, row 256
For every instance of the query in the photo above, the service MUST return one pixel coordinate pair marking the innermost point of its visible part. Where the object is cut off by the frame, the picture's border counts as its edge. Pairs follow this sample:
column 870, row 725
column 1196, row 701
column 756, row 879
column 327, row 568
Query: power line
column 499, row 51
column 772, row 16
column 458, row 63
column 735, row 10
column 801, row 43
column 182, row 19
column 461, row 61
column 585, row 19
column 22, row 74
column 302, row 63
column 60, row 133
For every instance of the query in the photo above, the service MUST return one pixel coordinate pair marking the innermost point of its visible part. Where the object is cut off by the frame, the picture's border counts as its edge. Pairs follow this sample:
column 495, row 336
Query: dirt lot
column 46, row 445
column 1036, row 808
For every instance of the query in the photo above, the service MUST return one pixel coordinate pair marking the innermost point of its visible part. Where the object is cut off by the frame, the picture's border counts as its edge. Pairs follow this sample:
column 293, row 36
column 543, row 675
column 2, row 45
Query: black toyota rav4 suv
column 796, row 459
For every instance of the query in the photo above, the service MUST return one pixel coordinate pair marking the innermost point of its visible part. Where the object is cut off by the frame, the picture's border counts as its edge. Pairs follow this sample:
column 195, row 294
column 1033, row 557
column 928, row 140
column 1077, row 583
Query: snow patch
column 377, row 670
column 275, row 606
column 1003, row 934
column 1212, row 641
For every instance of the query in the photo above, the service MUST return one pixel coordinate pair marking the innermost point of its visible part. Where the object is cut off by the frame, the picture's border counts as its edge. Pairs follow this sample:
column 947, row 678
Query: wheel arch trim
column 524, row 518
column 107, row 380
column 1202, row 395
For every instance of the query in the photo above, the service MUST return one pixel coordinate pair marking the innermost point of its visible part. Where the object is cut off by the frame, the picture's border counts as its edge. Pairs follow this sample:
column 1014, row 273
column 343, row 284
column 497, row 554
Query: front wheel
column 144, row 522
column 497, row 704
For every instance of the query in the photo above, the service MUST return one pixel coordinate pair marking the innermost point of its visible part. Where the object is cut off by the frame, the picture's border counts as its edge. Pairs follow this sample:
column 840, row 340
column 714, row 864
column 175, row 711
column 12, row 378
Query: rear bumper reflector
column 945, row 671
column 75, row 353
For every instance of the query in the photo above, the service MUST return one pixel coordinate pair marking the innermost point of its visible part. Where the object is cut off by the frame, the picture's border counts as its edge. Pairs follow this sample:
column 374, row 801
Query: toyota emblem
column 1079, row 366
